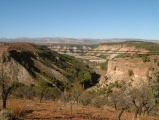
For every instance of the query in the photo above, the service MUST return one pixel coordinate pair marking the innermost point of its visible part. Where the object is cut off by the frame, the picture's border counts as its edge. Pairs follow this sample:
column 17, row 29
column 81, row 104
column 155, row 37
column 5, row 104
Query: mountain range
column 60, row 40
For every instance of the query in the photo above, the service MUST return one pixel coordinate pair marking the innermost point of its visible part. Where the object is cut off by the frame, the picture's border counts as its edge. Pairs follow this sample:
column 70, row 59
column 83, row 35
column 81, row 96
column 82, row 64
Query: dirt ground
column 49, row 110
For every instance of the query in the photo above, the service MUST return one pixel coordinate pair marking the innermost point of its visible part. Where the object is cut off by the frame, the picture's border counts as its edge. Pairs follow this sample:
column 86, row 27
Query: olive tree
column 76, row 91
column 114, row 98
column 121, row 98
column 142, row 98
column 43, row 89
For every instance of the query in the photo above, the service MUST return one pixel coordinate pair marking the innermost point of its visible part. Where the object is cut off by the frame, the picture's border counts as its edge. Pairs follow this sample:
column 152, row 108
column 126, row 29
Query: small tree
column 7, row 78
column 122, row 99
column 43, row 88
column 113, row 97
column 124, row 102
column 23, row 91
column 76, row 92
column 98, row 101
column 87, row 97
column 142, row 97
column 85, row 79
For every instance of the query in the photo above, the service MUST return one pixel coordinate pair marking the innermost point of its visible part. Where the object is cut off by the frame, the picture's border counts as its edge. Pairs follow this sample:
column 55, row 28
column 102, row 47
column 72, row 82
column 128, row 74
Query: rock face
column 16, row 71
column 129, row 62
column 70, row 49
column 112, row 51
column 131, row 70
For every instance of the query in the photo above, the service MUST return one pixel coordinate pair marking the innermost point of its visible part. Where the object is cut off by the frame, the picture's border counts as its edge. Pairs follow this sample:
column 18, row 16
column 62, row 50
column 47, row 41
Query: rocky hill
column 126, row 62
column 129, row 62
column 132, row 70
column 70, row 49
column 111, row 50
column 29, row 63
column 129, row 82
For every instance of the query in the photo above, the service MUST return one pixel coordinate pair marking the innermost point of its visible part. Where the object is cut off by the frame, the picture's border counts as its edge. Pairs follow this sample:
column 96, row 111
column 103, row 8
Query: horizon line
column 76, row 38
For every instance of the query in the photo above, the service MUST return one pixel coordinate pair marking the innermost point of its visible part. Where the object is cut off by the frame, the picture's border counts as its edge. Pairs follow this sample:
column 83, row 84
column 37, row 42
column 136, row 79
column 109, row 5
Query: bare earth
column 49, row 110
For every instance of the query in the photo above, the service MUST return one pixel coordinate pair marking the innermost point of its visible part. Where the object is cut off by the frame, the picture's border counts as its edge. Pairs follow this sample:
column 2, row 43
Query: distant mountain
column 59, row 40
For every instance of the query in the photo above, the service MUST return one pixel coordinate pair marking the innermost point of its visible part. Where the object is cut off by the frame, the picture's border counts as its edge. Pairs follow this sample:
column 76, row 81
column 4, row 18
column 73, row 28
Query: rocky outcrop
column 131, row 70
column 112, row 51
column 15, row 71
column 70, row 49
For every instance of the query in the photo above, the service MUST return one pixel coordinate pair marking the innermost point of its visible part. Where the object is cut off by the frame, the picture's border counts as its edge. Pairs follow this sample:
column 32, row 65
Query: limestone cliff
column 70, row 49
column 114, row 50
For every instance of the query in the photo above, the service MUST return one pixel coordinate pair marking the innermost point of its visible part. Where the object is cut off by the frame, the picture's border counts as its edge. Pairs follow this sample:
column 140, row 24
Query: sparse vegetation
column 58, row 110
column 145, row 58
column 19, row 110
column 70, row 67
column 104, row 65
column 63, row 78
column 150, row 46
column 125, row 55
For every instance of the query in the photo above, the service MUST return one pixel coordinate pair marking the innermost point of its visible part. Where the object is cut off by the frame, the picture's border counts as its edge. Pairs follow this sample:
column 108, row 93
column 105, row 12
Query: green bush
column 145, row 59
column 104, row 65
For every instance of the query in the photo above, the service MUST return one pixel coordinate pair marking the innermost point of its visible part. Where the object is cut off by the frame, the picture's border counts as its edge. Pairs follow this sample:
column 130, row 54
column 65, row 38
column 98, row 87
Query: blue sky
column 80, row 18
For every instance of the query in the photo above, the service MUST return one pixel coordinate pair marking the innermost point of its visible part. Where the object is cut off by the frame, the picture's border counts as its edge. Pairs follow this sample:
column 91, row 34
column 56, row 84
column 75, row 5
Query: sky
column 80, row 18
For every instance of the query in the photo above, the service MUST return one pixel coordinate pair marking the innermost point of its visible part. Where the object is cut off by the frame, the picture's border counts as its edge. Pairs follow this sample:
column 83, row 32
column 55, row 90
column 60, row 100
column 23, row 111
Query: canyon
column 123, row 59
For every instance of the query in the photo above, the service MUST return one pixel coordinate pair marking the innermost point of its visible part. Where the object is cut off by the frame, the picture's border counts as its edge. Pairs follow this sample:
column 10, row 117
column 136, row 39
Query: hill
column 31, row 63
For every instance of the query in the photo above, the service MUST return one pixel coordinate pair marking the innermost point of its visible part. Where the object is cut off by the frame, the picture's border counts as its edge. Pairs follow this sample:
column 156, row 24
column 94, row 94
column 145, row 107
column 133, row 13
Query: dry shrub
column 19, row 110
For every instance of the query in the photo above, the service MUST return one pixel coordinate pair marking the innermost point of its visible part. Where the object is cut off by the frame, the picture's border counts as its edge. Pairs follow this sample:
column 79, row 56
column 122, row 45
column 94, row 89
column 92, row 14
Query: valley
column 107, row 79
column 79, row 60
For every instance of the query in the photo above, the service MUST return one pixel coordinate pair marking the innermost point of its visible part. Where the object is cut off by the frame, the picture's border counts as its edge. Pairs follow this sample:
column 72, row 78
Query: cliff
column 129, row 62
column 132, row 70
column 70, row 49
column 114, row 50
